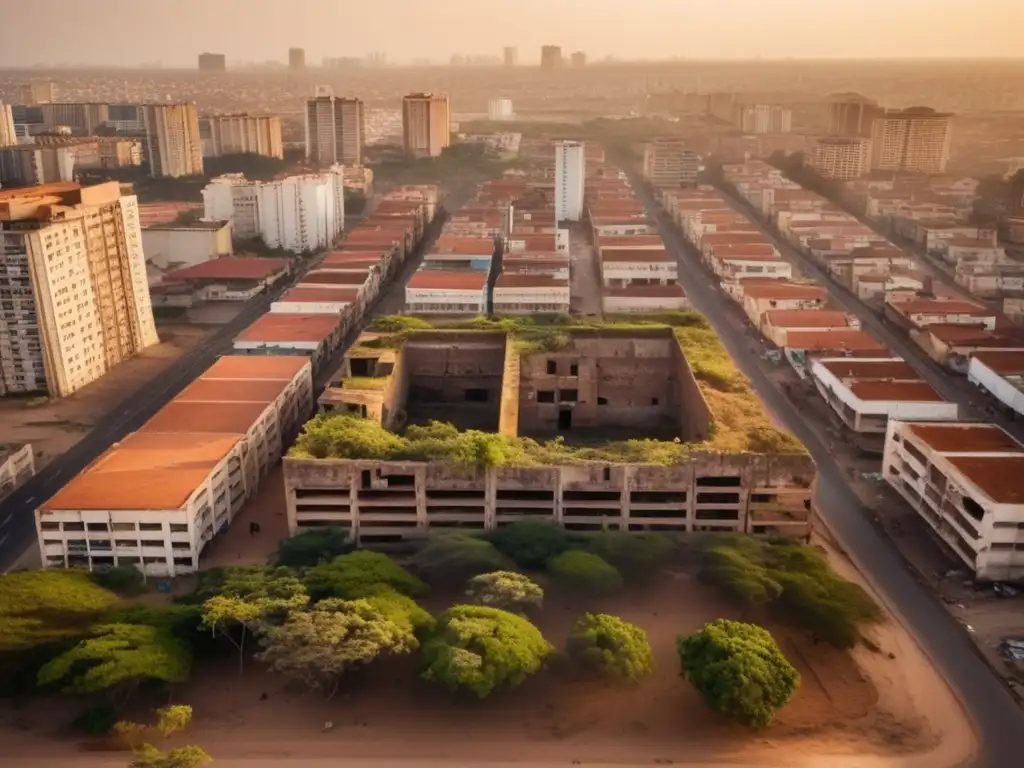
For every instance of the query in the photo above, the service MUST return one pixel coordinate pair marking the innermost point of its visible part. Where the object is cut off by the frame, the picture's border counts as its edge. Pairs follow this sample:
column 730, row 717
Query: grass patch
column 364, row 382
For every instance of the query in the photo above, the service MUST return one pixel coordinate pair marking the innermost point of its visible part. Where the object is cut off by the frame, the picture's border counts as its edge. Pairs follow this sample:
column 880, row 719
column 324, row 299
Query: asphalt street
column 995, row 714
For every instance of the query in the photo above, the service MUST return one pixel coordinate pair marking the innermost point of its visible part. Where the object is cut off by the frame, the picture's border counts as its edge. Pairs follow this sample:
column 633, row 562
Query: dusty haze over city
column 116, row 33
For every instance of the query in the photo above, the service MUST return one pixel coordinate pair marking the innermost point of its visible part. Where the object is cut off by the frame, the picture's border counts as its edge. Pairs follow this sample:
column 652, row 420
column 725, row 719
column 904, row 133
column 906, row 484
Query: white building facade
column 500, row 109
column 570, row 173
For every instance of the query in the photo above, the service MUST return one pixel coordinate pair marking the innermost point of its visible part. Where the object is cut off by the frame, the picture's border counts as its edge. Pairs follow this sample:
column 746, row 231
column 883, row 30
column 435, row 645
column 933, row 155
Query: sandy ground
column 236, row 546
column 54, row 425
column 884, row 707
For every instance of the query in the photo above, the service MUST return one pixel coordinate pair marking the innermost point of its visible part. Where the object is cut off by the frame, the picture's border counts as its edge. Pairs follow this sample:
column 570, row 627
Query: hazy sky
column 127, row 32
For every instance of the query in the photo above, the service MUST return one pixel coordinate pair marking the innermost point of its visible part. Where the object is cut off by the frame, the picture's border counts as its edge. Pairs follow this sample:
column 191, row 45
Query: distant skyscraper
column 296, row 58
column 570, row 172
column 579, row 59
column 241, row 135
column 850, row 114
column 668, row 163
column 764, row 118
column 76, row 300
column 426, row 124
column 212, row 62
column 511, row 56
column 915, row 140
column 7, row 134
column 39, row 92
column 335, row 130
column 840, row 157
column 173, row 146
column 551, row 57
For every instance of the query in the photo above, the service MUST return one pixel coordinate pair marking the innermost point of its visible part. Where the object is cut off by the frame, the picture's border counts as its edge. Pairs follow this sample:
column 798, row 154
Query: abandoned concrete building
column 596, row 387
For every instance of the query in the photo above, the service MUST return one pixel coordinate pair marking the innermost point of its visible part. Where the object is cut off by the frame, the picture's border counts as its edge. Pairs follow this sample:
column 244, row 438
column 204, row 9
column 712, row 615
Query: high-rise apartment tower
column 335, row 131
column 426, row 124
column 173, row 147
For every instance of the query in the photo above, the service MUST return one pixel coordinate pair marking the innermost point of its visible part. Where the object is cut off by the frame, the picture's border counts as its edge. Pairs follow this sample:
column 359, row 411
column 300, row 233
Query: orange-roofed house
column 1000, row 373
column 777, row 323
column 833, row 342
column 964, row 481
column 761, row 295
column 527, row 294
column 278, row 333
column 447, row 292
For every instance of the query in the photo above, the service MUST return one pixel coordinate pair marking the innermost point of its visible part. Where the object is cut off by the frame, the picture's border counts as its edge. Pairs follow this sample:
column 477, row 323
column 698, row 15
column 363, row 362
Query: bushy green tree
column 504, row 589
column 452, row 557
column 610, row 647
column 310, row 548
column 243, row 598
column 585, row 572
column 360, row 574
column 402, row 610
column 480, row 649
column 119, row 656
column 633, row 553
column 736, row 570
column 739, row 670
column 125, row 580
column 530, row 543
column 170, row 720
column 318, row 645
column 190, row 756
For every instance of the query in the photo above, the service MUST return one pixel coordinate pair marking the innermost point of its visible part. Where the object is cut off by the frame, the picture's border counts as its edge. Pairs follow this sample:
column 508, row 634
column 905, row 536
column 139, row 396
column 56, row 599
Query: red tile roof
column 941, row 307
column 284, row 327
column 229, row 268
column 999, row 477
column 850, row 368
column 1002, row 363
column 965, row 437
column 901, row 391
column 780, row 289
column 805, row 318
column 322, row 295
column 454, row 280
column 833, row 340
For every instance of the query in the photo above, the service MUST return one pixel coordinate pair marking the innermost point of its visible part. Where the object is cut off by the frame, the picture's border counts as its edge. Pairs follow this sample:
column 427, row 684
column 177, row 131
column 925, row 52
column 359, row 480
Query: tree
column 739, row 670
column 149, row 756
column 41, row 607
column 245, row 597
column 310, row 548
column 452, row 557
column 318, row 645
column 504, row 589
column 402, row 610
column 530, row 543
column 125, row 580
column 116, row 658
column 480, row 648
column 585, row 572
column 173, row 718
column 360, row 574
column 633, row 552
column 611, row 647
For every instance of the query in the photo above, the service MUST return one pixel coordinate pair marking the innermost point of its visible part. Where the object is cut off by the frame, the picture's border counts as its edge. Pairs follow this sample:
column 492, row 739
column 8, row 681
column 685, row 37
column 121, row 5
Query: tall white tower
column 570, row 170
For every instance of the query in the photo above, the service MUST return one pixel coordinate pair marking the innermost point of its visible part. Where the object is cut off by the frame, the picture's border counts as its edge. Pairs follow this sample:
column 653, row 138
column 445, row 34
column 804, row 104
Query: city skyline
column 730, row 29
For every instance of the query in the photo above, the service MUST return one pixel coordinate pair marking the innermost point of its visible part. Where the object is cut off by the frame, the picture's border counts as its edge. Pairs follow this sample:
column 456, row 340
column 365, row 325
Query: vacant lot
column 54, row 425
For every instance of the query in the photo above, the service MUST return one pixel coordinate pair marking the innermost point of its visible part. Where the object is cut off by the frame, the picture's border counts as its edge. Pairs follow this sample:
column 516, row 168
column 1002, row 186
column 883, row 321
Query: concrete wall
column 694, row 413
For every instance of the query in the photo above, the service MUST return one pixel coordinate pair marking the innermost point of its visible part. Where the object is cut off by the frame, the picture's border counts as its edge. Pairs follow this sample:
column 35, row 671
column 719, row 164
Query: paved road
column 954, row 388
column 998, row 719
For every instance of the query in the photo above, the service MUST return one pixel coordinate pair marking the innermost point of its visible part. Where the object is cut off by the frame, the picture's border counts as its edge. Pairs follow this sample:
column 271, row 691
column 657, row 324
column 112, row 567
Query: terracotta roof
column 940, row 306
column 506, row 280
column 780, row 289
column 852, row 368
column 207, row 417
column 728, row 238
column 145, row 471
column 833, row 340
column 1002, row 363
column 635, row 256
column 664, row 291
column 535, row 242
column 275, row 367
column 805, row 318
column 229, row 268
column 332, row 294
column 901, row 391
column 745, row 249
column 977, row 336
column 333, row 277
column 965, row 437
column 463, row 245
column 998, row 477
column 231, row 391
column 454, row 280
column 286, row 327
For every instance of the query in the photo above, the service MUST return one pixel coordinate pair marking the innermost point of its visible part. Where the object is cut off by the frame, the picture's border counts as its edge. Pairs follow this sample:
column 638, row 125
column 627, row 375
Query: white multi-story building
column 526, row 294
column 74, row 301
column 570, row 174
column 156, row 499
column 500, row 109
column 764, row 118
column 297, row 213
column 841, row 157
column 241, row 135
column 916, row 140
column 7, row 133
column 964, row 480
column 173, row 146
column 426, row 124
column 335, row 130
column 668, row 163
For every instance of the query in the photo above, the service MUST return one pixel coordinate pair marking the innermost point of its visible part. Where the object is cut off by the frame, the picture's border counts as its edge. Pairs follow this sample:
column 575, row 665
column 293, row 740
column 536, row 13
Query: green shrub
column 310, row 548
column 361, row 574
column 97, row 720
column 125, row 580
column 633, row 553
column 610, row 647
column 452, row 557
column 585, row 573
column 530, row 543
column 504, row 589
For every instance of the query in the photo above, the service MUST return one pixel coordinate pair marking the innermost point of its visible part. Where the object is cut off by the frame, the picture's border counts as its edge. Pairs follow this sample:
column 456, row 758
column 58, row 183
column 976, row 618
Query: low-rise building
column 173, row 246
column 964, row 480
column 527, row 294
column 644, row 298
column 622, row 267
column 761, row 295
column 447, row 292
column 1001, row 375
column 278, row 333
column 777, row 323
column 953, row 345
column 223, row 279
column 158, row 497
column 17, row 465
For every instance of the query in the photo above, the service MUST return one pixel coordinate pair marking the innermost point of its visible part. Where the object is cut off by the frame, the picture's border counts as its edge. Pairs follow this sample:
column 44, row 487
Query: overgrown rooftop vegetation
column 739, row 423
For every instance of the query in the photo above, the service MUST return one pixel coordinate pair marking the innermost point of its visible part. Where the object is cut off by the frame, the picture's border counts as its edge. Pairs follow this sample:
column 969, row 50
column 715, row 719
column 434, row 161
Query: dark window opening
column 574, row 370
column 546, row 396
column 602, row 401
column 476, row 395
column 568, row 395
column 607, row 473
column 718, row 498
column 973, row 508
column 362, row 366
column 367, row 479
column 565, row 419
column 654, row 401
column 552, row 367
column 724, row 481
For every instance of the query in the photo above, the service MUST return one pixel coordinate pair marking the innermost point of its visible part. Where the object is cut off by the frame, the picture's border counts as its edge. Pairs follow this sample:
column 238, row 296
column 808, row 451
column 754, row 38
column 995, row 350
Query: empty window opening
column 607, row 473
column 546, row 396
column 362, row 366
column 552, row 367
column 602, row 401
column 565, row 419
column 568, row 395
column 574, row 370
column 476, row 395
column 654, row 401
